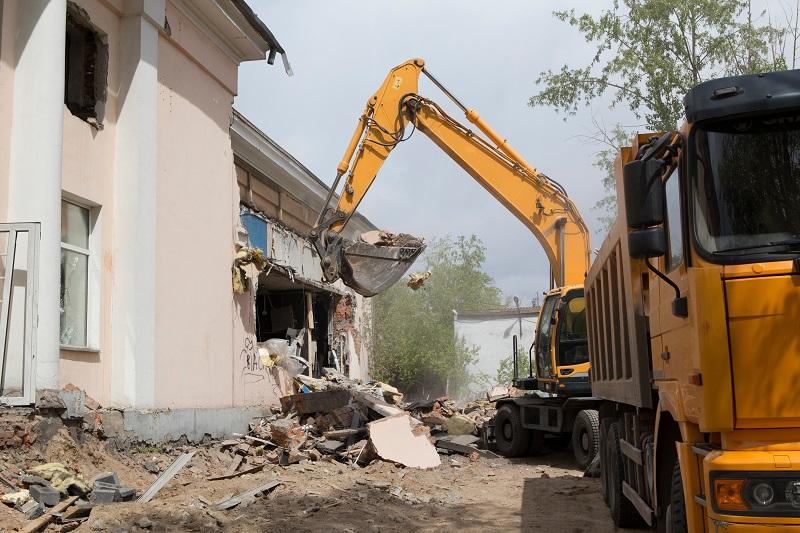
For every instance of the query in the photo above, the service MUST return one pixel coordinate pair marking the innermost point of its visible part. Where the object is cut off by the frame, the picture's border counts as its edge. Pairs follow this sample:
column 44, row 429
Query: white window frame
column 93, row 281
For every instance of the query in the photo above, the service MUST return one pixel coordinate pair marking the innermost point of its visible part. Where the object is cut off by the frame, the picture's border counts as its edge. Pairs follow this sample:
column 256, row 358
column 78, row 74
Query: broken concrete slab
column 395, row 440
column 464, row 440
column 31, row 509
column 376, row 404
column 45, row 494
column 106, row 477
column 329, row 446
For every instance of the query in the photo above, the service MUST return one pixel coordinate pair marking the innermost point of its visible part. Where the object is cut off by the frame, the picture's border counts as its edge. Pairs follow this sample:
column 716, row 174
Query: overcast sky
column 487, row 53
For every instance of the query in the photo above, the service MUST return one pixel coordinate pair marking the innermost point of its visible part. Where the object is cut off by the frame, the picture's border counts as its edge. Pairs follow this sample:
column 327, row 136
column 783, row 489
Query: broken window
column 86, row 67
column 75, row 228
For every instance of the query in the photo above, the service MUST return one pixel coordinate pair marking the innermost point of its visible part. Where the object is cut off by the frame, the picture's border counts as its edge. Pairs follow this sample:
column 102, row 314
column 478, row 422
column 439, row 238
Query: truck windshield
column 747, row 186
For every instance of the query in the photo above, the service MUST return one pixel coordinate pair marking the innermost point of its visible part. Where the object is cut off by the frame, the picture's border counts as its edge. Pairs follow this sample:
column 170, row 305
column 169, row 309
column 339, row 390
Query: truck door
column 544, row 338
column 672, row 329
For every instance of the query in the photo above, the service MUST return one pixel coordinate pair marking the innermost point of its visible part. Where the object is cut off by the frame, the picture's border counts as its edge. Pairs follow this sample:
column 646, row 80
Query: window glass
column 674, row 221
column 544, row 360
column 74, row 225
column 74, row 293
column 573, row 345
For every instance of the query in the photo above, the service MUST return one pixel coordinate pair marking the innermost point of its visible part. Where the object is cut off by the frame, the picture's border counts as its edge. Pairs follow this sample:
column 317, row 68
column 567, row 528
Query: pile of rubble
column 344, row 420
column 44, row 486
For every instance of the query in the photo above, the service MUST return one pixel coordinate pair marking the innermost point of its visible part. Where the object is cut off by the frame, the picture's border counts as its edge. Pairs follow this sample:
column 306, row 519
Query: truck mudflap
column 751, row 490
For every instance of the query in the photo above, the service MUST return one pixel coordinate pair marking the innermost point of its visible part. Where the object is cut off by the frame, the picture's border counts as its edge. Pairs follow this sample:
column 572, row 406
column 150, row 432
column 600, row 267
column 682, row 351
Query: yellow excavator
column 558, row 399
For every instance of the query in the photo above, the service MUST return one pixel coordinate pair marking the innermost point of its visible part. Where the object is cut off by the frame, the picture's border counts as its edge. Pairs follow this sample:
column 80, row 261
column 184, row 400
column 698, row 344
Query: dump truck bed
column 617, row 322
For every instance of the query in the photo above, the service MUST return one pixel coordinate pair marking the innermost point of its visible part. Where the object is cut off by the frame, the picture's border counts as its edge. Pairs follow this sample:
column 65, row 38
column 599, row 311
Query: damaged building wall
column 285, row 196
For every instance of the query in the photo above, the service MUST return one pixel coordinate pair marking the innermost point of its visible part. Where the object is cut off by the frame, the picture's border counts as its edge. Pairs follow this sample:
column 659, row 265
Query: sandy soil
column 542, row 493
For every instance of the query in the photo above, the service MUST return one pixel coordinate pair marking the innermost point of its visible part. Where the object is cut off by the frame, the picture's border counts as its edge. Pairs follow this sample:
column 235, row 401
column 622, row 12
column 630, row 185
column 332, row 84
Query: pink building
column 120, row 199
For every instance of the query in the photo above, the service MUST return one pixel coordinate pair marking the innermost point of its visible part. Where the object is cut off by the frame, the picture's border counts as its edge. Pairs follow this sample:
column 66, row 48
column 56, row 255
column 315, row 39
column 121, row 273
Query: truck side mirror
column 645, row 193
column 648, row 242
column 645, row 196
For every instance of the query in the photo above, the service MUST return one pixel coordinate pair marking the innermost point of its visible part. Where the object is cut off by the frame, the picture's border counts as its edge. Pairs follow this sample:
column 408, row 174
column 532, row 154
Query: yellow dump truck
column 693, row 309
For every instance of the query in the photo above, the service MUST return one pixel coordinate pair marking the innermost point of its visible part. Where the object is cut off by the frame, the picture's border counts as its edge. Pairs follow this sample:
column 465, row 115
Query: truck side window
column 674, row 221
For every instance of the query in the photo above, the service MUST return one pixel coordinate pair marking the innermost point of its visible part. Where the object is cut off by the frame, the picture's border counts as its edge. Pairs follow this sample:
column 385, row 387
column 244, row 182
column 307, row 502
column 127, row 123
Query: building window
column 75, row 260
column 86, row 67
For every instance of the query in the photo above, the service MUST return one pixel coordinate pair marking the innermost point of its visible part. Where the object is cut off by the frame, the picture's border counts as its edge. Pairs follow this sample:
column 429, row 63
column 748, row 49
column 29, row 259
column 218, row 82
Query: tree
column 415, row 347
column 649, row 53
column 505, row 371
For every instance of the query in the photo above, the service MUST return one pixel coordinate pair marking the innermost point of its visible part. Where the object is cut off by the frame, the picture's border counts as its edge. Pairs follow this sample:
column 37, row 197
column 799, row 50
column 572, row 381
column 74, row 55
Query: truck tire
column 586, row 437
column 676, row 512
column 623, row 512
column 512, row 439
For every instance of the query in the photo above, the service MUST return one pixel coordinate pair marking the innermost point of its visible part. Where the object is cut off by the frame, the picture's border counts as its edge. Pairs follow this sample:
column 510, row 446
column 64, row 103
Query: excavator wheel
column 586, row 437
column 512, row 439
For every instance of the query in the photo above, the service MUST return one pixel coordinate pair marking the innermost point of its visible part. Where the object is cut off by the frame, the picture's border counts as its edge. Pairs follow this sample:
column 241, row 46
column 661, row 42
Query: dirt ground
column 544, row 493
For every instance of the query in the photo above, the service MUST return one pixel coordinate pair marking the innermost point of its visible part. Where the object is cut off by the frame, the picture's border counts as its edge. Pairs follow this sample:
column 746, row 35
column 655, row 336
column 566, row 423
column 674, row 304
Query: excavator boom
column 372, row 265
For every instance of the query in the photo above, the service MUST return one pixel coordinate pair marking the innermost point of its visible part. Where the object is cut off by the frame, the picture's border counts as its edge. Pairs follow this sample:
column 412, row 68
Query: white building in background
column 492, row 331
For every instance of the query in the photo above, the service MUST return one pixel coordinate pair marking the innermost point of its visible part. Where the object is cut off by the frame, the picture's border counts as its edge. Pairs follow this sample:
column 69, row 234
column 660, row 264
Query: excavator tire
column 623, row 513
column 586, row 437
column 512, row 439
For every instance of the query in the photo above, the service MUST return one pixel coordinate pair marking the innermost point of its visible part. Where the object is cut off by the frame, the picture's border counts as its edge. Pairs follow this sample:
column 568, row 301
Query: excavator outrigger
column 559, row 396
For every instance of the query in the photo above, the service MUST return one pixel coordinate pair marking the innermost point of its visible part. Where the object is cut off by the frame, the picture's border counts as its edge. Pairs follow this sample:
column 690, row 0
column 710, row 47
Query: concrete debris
column 497, row 392
column 395, row 440
column 339, row 419
column 31, row 509
column 45, row 495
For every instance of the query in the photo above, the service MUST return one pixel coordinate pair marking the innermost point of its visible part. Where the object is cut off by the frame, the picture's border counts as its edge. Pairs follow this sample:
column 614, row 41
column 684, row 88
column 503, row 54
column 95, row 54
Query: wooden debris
column 315, row 402
column 233, row 501
column 167, row 475
column 41, row 522
column 235, row 462
column 339, row 434
column 251, row 470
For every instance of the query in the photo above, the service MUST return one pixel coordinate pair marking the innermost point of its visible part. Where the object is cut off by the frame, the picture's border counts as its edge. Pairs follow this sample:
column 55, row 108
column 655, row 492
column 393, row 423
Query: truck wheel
column 512, row 439
column 623, row 512
column 586, row 437
column 676, row 512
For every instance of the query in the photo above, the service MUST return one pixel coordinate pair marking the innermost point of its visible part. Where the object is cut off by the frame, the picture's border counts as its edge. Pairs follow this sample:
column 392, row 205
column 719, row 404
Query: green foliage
column 414, row 343
column 505, row 372
column 648, row 53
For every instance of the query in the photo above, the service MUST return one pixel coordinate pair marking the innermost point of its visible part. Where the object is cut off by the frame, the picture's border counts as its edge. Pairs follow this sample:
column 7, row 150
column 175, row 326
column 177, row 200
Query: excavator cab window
column 544, row 336
column 572, row 341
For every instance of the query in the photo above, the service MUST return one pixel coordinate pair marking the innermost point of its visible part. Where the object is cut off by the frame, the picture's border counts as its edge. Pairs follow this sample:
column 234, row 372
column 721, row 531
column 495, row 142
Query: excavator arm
column 538, row 202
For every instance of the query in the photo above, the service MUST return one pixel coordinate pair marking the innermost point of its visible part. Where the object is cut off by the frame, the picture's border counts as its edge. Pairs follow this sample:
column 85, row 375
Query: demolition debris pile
column 333, row 421
column 343, row 420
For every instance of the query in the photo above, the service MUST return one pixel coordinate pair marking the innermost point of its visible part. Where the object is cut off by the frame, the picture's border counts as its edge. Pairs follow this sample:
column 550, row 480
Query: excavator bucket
column 378, row 260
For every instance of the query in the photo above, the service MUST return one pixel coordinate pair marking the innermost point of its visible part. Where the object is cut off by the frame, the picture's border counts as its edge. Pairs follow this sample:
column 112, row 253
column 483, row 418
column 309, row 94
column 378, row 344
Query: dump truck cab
column 694, row 303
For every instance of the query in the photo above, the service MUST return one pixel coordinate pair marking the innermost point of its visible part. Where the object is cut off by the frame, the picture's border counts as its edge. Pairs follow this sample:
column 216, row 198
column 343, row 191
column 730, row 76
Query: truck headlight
column 755, row 493
column 793, row 493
